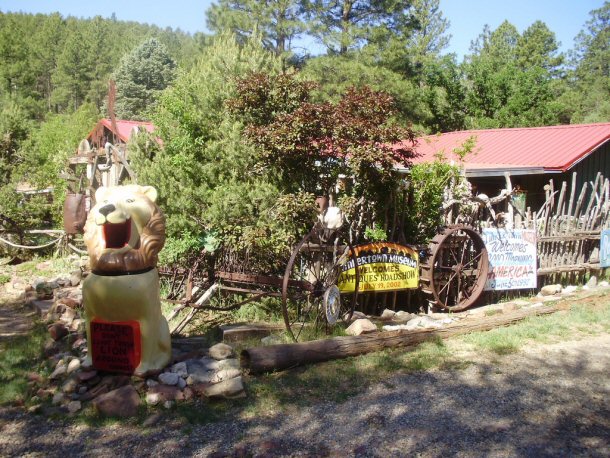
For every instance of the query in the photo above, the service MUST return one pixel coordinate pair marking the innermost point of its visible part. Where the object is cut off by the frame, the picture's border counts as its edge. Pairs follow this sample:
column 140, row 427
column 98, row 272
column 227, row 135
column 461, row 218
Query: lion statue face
column 125, row 229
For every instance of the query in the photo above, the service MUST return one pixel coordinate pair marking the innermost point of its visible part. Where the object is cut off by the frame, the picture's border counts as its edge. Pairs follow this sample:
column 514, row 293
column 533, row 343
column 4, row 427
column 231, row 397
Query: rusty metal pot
column 75, row 213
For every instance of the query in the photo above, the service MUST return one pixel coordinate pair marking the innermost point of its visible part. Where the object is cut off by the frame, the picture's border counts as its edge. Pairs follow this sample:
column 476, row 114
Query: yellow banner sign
column 382, row 266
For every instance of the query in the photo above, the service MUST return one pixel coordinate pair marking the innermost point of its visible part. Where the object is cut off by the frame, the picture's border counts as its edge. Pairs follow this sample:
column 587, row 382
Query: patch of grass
column 581, row 318
column 337, row 381
column 19, row 356
column 4, row 278
column 53, row 267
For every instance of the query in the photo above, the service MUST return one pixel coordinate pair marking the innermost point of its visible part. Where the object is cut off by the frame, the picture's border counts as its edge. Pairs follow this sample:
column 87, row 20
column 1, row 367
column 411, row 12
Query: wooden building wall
column 586, row 171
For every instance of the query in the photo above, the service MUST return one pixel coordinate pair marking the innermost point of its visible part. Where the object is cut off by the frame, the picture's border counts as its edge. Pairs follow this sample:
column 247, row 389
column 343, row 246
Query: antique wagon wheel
column 310, row 296
column 455, row 273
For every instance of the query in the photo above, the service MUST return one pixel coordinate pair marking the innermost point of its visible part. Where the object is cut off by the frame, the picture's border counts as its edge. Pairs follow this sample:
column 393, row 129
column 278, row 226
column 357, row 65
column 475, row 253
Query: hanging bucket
column 75, row 213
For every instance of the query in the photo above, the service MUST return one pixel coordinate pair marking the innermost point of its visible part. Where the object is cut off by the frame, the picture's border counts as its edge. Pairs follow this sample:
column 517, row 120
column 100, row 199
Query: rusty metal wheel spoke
column 457, row 268
column 314, row 267
column 473, row 260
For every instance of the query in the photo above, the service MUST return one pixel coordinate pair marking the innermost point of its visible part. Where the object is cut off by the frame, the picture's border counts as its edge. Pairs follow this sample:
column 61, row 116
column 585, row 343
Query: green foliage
column 375, row 233
column 140, row 78
column 310, row 147
column 279, row 22
column 511, row 76
column 14, row 129
column 181, row 250
column 346, row 25
column 588, row 97
column 427, row 184
column 335, row 74
column 205, row 172
column 53, row 63
column 39, row 162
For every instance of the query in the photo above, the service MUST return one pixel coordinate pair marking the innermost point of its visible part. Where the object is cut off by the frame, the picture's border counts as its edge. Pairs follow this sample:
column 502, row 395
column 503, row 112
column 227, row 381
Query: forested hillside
column 54, row 74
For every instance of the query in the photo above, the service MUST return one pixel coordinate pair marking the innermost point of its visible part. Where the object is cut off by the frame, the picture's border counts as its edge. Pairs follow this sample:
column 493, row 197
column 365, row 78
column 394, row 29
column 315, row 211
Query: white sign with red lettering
column 512, row 258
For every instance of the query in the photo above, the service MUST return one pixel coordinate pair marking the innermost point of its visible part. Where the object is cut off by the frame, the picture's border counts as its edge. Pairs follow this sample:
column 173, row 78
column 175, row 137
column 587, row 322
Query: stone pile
column 401, row 320
column 208, row 373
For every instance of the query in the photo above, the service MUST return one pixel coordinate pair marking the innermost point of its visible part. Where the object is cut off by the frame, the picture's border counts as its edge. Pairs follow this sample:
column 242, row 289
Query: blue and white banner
column 512, row 258
column 604, row 249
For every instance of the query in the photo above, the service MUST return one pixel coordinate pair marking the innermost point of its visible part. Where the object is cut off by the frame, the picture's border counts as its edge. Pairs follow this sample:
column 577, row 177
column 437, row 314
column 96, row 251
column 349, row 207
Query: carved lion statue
column 124, row 233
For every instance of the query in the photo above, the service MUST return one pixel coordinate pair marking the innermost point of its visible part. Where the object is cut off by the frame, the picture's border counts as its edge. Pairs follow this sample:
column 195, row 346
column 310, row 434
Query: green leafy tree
column 47, row 44
column 348, row 24
column 205, row 172
column 310, row 146
column 278, row 22
column 412, row 49
column 72, row 77
column 142, row 76
column 335, row 74
column 506, row 88
column 14, row 129
column 589, row 94
column 427, row 184
column 17, row 70
column 38, row 162
column 416, row 41
column 444, row 93
column 538, row 47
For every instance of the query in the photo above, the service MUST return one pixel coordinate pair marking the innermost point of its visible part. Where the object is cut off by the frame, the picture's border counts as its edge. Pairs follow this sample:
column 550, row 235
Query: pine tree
column 590, row 93
column 278, row 22
column 141, row 77
column 204, row 170
column 510, row 78
column 349, row 24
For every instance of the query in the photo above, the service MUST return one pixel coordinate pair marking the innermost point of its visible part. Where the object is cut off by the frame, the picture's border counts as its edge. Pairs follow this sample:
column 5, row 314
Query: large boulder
column 122, row 402
column 220, row 351
column 549, row 290
column 361, row 326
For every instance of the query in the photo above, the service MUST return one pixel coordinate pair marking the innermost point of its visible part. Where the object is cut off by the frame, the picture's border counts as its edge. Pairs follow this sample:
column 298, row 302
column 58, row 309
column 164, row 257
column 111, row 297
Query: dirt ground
column 546, row 400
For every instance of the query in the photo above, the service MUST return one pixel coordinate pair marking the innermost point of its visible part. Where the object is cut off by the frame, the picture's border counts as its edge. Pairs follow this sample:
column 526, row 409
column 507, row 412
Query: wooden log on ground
column 285, row 356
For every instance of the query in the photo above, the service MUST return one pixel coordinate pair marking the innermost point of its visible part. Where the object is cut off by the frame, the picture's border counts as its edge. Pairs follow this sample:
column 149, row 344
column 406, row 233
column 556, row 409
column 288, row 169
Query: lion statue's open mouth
column 117, row 236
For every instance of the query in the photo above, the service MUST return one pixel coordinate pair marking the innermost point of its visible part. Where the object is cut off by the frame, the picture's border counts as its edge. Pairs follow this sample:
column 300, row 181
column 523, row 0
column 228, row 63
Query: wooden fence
column 568, row 225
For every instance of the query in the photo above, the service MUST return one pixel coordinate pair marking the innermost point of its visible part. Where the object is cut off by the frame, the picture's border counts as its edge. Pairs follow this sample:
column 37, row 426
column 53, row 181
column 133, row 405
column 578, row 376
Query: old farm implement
column 307, row 290
column 326, row 275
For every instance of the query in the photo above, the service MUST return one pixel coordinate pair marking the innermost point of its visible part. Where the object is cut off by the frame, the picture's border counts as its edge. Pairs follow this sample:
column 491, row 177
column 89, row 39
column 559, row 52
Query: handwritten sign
column 604, row 249
column 382, row 266
column 115, row 345
column 512, row 258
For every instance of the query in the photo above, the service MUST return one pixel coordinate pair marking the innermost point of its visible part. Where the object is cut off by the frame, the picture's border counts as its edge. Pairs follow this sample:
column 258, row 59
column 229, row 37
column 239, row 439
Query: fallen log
column 285, row 356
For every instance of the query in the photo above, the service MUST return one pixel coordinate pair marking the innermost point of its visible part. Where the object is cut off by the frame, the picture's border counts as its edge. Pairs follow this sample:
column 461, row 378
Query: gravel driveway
column 548, row 400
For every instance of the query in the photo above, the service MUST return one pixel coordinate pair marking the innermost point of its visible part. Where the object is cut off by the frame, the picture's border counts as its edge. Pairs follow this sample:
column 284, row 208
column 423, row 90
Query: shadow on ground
column 547, row 403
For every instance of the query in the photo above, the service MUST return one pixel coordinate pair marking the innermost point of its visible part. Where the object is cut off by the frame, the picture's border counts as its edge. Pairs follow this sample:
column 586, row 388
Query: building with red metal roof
column 532, row 156
column 520, row 151
column 103, row 131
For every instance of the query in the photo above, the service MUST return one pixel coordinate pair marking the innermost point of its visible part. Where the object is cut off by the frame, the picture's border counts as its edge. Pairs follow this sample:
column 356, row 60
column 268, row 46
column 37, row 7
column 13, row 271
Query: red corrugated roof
column 125, row 127
column 553, row 148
